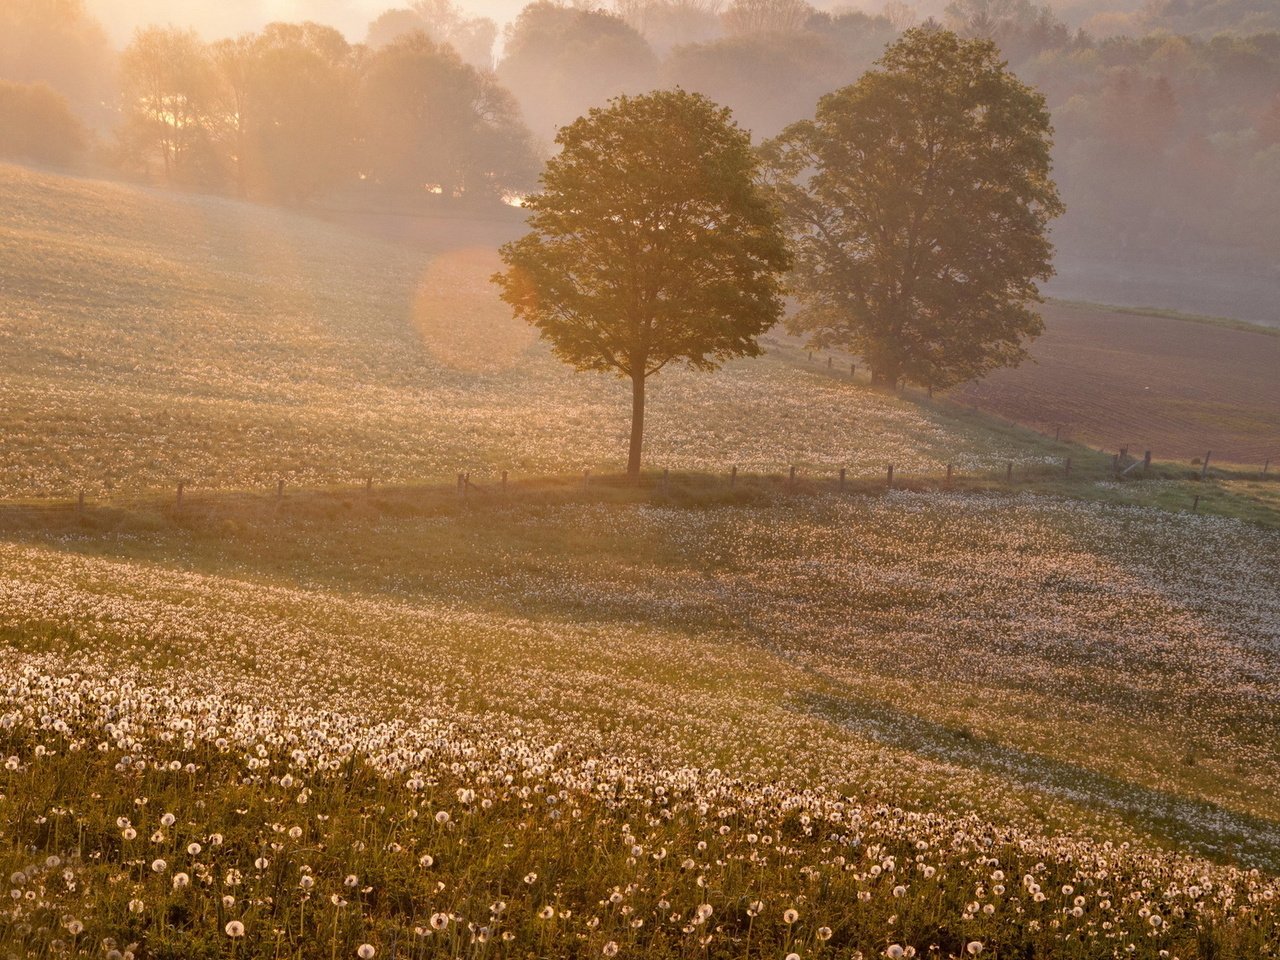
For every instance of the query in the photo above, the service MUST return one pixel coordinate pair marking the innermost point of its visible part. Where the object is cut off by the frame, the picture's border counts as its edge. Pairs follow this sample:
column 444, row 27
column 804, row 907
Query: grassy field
column 1027, row 718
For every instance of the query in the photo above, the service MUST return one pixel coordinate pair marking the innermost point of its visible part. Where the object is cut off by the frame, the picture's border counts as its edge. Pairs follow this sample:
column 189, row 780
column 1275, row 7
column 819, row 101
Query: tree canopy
column 652, row 243
column 920, row 199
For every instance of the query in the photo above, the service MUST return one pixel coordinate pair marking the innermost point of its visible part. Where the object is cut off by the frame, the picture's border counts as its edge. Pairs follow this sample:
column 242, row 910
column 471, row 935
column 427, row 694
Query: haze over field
column 576, row 482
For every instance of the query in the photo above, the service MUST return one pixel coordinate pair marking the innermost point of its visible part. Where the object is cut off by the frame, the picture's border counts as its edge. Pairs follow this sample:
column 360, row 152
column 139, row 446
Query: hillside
column 561, row 719
column 1177, row 387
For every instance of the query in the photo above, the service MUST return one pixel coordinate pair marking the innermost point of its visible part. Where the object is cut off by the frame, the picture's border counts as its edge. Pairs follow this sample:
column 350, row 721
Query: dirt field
column 1175, row 387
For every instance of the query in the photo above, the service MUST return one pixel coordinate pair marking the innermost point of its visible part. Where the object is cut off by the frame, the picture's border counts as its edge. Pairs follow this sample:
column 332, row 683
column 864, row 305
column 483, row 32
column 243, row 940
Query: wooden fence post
column 1266, row 466
column 504, row 481
column 842, row 478
column 1008, row 472
column 180, row 486
column 460, row 489
column 948, row 476
column 889, row 482
column 586, row 478
column 1057, row 434
column 1204, row 469
column 1146, row 461
column 1068, row 467
column 1195, row 504
column 80, row 503
column 830, row 360
column 280, row 488
column 368, row 484
column 733, row 476
column 666, row 478
column 791, row 480
column 853, row 369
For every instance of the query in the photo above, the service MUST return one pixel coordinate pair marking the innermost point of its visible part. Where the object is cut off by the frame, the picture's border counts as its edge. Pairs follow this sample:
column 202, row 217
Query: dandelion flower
column 234, row 928
column 365, row 951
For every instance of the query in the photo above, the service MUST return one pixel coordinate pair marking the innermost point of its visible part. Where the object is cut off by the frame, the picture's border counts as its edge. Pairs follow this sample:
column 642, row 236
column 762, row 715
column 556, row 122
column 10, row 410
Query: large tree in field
column 920, row 199
column 652, row 243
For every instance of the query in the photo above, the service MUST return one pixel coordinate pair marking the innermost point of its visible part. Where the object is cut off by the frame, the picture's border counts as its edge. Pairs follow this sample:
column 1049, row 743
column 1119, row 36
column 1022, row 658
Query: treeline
column 1166, row 145
column 288, row 114
column 295, row 111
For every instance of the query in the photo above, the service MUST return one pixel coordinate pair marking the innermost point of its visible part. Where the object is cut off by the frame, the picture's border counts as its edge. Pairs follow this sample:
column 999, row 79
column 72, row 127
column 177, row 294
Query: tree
column 652, row 242
column 920, row 199
column 748, row 17
column 471, row 37
column 36, row 124
column 168, row 85
column 434, row 122
column 667, row 24
column 58, row 43
column 300, row 119
column 559, row 62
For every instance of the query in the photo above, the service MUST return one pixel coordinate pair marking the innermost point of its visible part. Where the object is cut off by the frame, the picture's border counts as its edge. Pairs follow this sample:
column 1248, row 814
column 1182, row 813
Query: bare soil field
column 1176, row 387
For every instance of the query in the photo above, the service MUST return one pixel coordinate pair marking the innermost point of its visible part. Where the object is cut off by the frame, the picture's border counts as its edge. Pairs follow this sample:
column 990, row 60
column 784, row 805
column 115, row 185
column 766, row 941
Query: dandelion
column 180, row 880
column 234, row 928
column 136, row 906
column 790, row 915
column 159, row 866
column 824, row 933
column 895, row 952
column 974, row 948
column 365, row 951
column 610, row 949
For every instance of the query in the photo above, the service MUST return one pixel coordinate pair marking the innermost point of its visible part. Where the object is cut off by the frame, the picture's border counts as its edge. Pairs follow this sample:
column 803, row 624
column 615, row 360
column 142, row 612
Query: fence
column 839, row 480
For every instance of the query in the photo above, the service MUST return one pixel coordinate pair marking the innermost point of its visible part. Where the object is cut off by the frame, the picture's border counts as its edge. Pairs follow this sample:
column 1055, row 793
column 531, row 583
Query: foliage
column 56, row 42
column 430, row 119
column 651, row 244
column 920, row 198
column 561, row 61
column 295, row 112
column 472, row 38
column 36, row 124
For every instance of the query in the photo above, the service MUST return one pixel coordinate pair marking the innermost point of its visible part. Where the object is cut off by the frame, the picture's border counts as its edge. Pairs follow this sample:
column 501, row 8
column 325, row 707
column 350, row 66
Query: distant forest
column 1167, row 112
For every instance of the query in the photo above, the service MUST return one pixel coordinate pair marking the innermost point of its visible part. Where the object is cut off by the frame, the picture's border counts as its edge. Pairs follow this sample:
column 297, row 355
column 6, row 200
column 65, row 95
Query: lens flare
column 462, row 322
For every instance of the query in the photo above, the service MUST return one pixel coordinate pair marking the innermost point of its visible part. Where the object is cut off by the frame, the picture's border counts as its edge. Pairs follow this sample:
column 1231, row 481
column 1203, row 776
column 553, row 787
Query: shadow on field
column 1237, row 837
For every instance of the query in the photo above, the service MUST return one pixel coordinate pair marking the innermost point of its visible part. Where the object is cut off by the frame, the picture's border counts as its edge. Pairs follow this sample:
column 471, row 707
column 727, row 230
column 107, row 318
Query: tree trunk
column 884, row 378
column 637, row 426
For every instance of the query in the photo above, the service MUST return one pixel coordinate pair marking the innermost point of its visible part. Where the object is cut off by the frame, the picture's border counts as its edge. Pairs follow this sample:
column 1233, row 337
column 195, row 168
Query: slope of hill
column 149, row 338
column 675, row 721
column 1177, row 387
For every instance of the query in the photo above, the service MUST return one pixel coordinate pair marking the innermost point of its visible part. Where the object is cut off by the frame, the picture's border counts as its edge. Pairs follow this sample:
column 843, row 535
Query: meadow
column 1035, row 719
